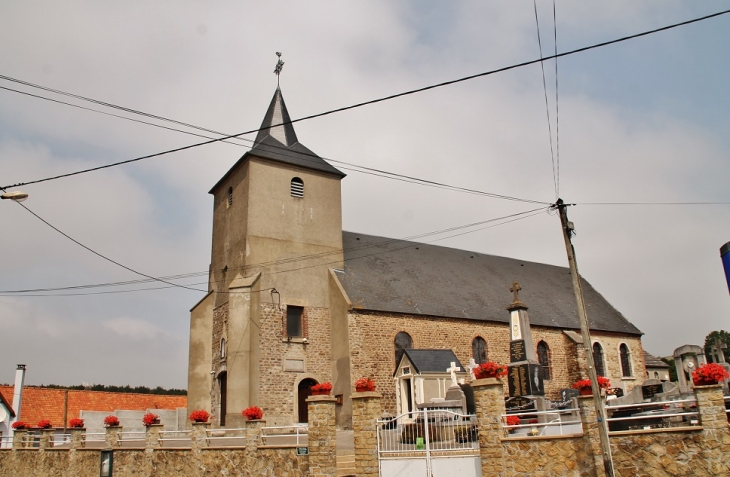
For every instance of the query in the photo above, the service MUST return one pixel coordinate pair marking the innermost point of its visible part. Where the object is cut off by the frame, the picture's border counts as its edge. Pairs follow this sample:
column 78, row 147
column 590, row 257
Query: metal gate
column 429, row 442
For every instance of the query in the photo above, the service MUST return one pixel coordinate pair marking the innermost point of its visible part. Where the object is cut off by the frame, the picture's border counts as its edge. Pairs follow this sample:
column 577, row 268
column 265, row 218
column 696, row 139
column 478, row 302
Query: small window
column 294, row 321
column 223, row 347
column 656, row 375
column 479, row 350
column 297, row 187
column 230, row 197
column 625, row 356
column 543, row 357
column 598, row 359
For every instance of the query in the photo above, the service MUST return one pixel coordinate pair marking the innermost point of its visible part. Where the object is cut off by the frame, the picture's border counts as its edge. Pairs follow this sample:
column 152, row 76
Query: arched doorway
column 304, row 390
column 223, row 389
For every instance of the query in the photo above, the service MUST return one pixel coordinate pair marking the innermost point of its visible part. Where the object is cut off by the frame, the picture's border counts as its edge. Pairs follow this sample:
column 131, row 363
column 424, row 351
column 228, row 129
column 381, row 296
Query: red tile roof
column 47, row 403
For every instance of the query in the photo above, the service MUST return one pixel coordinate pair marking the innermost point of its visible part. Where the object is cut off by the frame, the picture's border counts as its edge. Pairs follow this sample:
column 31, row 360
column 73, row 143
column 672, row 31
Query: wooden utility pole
column 585, row 333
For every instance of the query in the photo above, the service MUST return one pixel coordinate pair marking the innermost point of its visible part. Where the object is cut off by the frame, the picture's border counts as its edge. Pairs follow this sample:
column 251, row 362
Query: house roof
column 47, row 403
column 277, row 141
column 5, row 403
column 654, row 362
column 390, row 275
column 431, row 360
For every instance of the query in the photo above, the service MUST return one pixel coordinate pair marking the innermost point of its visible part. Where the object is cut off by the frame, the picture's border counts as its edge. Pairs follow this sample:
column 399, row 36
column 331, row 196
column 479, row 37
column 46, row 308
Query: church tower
column 277, row 232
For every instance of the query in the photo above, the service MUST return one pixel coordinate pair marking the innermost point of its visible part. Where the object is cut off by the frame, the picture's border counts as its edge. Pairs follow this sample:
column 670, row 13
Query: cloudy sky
column 641, row 121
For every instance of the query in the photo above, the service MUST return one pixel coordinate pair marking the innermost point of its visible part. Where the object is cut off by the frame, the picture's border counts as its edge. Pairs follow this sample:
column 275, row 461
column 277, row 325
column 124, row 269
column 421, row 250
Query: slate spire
column 276, row 115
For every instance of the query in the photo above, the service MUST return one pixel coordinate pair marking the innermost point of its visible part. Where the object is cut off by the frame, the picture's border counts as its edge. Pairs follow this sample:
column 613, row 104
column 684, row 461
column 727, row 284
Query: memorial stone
column 523, row 377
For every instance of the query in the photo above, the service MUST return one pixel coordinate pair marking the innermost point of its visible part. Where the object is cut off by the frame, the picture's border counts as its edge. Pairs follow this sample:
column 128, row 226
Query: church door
column 303, row 392
column 223, row 387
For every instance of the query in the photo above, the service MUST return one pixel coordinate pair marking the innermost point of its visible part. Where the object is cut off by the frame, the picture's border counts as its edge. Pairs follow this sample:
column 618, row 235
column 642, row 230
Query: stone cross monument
column 524, row 375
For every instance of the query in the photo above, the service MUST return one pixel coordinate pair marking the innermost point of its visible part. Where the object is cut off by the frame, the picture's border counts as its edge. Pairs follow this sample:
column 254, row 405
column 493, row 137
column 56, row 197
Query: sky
column 641, row 121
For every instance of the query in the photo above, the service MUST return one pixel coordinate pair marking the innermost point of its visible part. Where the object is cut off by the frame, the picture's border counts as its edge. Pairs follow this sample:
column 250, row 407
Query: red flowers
column 149, row 419
column 111, row 421
column 322, row 388
column 490, row 369
column 253, row 412
column 199, row 416
column 603, row 383
column 365, row 384
column 76, row 422
column 21, row 425
column 513, row 421
column 44, row 424
column 711, row 373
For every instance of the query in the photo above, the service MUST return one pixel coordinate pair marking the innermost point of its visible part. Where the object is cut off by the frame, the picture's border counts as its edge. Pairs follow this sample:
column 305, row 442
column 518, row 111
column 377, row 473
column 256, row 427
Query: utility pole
column 585, row 333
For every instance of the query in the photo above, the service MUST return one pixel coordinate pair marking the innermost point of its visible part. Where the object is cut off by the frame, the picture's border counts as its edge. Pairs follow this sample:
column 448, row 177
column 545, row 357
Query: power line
column 557, row 103
column 385, row 98
column 547, row 106
column 652, row 203
column 513, row 217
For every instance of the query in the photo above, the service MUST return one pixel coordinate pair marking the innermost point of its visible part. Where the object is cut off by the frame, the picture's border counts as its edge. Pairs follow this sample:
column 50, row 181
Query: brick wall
column 372, row 351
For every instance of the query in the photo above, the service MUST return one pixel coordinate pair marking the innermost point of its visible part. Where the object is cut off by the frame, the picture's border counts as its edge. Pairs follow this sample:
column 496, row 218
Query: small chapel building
column 293, row 300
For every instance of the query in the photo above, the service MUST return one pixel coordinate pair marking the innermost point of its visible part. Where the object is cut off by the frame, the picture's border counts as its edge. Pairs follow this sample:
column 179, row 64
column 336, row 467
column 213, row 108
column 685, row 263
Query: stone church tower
column 277, row 230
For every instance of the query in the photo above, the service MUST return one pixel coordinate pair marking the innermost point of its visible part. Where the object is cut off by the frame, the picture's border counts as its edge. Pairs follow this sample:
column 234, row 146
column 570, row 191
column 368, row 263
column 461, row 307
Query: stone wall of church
column 283, row 364
column 373, row 353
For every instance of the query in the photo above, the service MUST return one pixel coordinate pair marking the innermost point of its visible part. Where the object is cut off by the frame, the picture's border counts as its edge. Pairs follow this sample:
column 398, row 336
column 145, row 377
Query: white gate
column 430, row 443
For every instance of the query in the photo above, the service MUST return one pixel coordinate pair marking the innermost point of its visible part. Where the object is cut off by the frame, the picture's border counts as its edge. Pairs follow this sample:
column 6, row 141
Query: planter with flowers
column 322, row 389
column 111, row 421
column 253, row 413
column 199, row 416
column 364, row 385
column 44, row 424
column 76, row 423
column 150, row 419
column 21, row 425
column 584, row 385
column 709, row 374
column 512, row 421
column 490, row 369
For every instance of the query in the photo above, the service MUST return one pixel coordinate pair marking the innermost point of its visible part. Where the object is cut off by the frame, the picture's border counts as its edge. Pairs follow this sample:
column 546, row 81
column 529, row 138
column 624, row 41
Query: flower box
column 490, row 369
column 111, row 421
column 709, row 374
column 365, row 385
column 76, row 423
column 584, row 385
column 149, row 419
column 21, row 425
column 253, row 413
column 44, row 424
column 199, row 416
column 322, row 389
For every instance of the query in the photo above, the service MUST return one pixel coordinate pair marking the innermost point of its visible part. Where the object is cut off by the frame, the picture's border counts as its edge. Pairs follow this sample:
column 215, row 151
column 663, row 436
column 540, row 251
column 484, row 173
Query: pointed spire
column 277, row 114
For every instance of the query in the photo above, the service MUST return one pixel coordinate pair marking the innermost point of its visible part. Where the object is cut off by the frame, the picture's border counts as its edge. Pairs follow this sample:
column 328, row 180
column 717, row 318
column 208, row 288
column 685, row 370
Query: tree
column 672, row 369
column 710, row 339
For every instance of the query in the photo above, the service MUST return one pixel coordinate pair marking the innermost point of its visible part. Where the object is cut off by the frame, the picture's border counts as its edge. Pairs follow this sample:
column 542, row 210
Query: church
column 293, row 300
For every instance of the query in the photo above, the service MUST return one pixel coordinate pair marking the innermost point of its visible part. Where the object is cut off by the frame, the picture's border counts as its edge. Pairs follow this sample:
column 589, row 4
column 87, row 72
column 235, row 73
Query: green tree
column 672, row 369
column 710, row 339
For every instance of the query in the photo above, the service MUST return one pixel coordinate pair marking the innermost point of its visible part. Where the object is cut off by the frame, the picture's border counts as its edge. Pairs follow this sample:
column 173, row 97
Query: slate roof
column 389, row 275
column 277, row 141
column 47, row 403
column 431, row 360
column 654, row 362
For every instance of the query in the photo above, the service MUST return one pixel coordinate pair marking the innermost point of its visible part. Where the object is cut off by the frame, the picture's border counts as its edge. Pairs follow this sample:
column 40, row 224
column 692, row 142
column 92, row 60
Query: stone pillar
column 489, row 402
column 78, row 437
column 591, row 435
column 366, row 410
column 199, row 436
column 45, row 440
column 152, row 436
column 19, row 437
column 715, row 431
column 112, row 436
column 253, row 433
column 322, row 436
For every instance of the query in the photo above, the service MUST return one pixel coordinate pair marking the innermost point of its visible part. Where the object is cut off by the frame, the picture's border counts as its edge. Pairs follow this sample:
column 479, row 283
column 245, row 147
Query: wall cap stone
column 325, row 398
column 486, row 382
column 366, row 394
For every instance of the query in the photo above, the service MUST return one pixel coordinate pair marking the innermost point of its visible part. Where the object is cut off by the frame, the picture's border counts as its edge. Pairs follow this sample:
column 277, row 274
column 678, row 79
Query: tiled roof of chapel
column 397, row 276
column 47, row 403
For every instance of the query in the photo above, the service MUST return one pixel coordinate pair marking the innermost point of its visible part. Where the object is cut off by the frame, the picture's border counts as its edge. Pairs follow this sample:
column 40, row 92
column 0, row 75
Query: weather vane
column 279, row 66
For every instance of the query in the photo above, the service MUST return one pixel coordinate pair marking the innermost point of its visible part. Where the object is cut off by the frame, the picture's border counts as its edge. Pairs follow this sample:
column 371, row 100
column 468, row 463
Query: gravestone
column 687, row 358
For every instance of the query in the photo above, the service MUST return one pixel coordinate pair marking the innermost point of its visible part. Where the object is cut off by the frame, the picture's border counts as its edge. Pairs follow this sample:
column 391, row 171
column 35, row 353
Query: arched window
column 543, row 357
column 625, row 356
column 223, row 347
column 297, row 187
column 479, row 350
column 598, row 359
column 656, row 375
column 230, row 197
column 402, row 342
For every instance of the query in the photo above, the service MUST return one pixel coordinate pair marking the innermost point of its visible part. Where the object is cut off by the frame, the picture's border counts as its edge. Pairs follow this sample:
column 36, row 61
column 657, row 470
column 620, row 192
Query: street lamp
column 17, row 196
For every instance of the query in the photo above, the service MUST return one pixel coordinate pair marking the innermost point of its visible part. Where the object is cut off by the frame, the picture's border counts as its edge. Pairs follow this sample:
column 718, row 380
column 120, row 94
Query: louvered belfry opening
column 297, row 187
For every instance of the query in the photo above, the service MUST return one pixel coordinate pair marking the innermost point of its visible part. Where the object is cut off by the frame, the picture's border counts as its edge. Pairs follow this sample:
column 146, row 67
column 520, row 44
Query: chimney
column 18, row 390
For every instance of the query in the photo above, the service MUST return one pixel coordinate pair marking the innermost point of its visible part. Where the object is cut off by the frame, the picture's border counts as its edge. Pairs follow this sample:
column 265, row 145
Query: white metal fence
column 430, row 442
column 172, row 439
column 224, row 437
column 285, row 436
column 558, row 422
column 653, row 415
